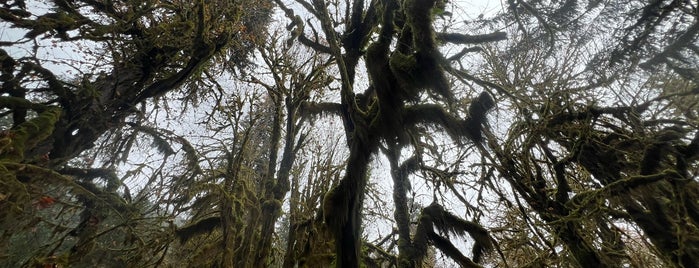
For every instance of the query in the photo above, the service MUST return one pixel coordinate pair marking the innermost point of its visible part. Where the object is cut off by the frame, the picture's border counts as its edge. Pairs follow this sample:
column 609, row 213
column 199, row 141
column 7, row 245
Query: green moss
column 335, row 208
column 402, row 62
column 6, row 143
column 14, row 195
column 419, row 17
column 405, row 68
column 273, row 206
column 28, row 134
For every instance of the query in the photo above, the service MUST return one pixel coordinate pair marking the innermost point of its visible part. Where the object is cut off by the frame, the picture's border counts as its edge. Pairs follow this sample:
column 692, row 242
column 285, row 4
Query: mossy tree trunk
column 379, row 113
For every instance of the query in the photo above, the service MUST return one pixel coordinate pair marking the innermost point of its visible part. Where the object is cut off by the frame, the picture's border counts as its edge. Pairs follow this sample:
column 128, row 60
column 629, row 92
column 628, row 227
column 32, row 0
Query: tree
column 584, row 153
column 252, row 175
column 141, row 51
column 404, row 84
column 546, row 90
column 308, row 242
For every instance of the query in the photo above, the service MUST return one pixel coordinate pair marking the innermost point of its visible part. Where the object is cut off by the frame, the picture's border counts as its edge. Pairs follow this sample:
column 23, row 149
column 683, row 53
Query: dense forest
column 355, row 133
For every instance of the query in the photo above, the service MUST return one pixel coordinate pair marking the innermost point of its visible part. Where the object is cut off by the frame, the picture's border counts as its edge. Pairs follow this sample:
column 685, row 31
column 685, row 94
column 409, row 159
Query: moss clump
column 27, row 135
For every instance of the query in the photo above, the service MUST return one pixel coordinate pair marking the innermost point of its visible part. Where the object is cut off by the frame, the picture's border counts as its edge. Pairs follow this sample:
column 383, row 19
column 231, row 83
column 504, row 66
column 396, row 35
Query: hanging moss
column 28, row 134
column 206, row 225
column 477, row 111
column 419, row 17
column 335, row 207
column 435, row 217
column 405, row 68
column 13, row 195
column 403, row 63
column 422, row 68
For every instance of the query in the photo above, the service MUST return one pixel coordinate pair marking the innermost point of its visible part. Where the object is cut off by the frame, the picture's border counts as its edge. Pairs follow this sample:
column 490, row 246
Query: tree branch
column 457, row 38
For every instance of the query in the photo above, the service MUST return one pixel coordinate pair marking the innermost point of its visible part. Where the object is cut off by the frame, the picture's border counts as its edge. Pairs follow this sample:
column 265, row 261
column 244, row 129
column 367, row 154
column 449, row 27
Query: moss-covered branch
column 457, row 38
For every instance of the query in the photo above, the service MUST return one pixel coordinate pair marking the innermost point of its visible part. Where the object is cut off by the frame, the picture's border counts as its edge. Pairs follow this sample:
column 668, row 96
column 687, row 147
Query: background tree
column 244, row 193
column 308, row 242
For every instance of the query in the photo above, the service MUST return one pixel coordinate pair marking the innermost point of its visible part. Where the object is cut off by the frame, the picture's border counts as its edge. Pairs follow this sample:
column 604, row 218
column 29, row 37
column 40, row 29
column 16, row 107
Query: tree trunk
column 401, row 213
column 343, row 204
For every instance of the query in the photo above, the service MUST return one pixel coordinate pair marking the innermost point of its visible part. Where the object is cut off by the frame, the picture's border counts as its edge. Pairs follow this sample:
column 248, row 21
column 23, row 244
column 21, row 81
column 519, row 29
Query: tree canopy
column 383, row 133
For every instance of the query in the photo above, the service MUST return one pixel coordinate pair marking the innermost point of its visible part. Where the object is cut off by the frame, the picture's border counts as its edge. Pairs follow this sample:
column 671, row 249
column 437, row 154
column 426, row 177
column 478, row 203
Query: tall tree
column 407, row 88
